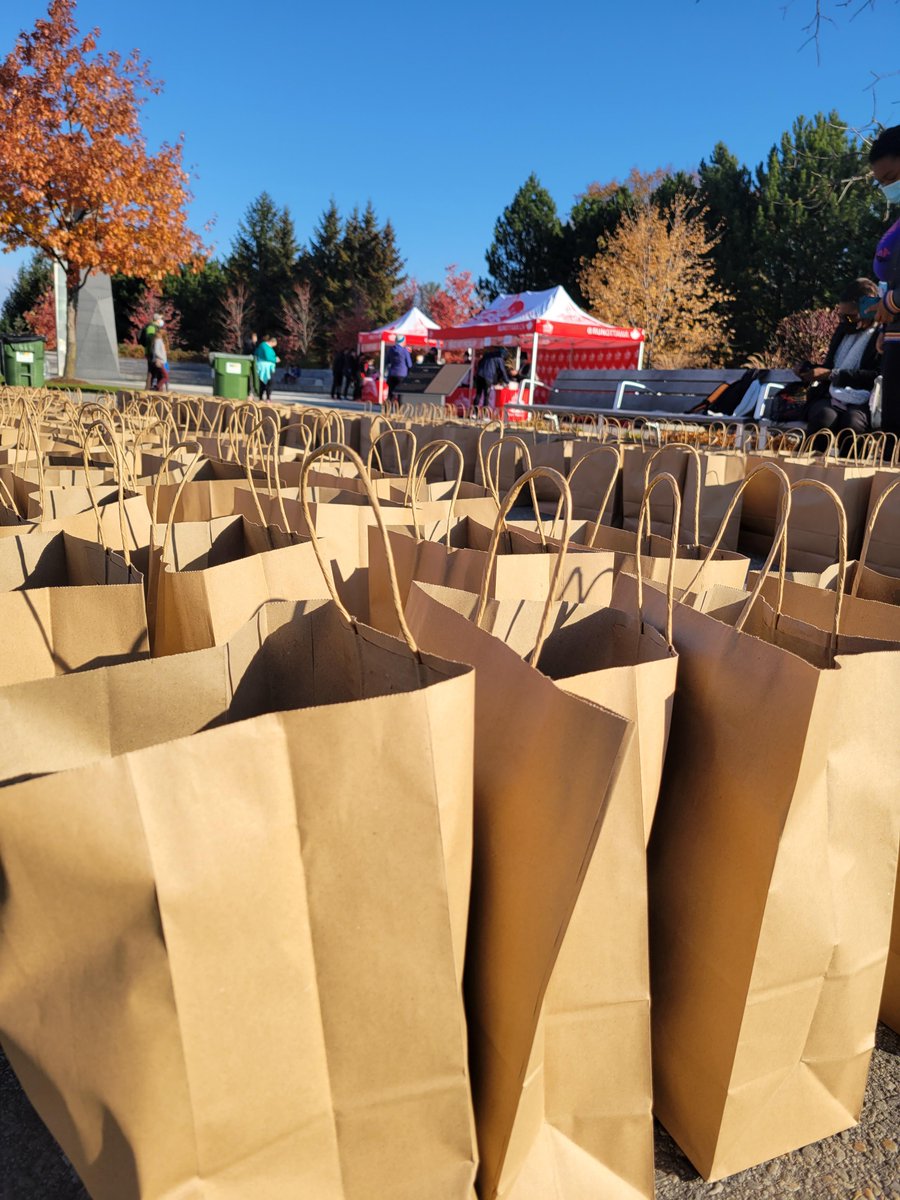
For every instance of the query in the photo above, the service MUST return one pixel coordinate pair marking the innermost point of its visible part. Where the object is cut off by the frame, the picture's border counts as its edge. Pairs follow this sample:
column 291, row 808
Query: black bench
column 659, row 391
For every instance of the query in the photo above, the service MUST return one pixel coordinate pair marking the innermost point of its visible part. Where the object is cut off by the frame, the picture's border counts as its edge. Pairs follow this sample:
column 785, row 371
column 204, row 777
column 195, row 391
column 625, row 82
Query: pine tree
column 198, row 297
column 263, row 258
column 325, row 267
column 31, row 281
column 726, row 192
column 817, row 221
column 526, row 250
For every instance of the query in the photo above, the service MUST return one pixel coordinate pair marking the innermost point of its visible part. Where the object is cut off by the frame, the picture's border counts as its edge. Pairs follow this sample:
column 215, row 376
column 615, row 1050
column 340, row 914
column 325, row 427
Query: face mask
column 892, row 191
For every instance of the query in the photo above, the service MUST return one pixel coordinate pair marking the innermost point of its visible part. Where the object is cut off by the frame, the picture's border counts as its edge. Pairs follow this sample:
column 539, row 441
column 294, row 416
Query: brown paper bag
column 209, row 577
column 595, row 1068
column 877, row 575
column 770, row 888
column 66, row 604
column 812, row 537
column 540, row 801
column 172, row 1056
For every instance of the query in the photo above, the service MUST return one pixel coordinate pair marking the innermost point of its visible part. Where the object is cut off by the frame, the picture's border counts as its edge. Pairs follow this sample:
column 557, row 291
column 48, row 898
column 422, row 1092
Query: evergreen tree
column 197, row 295
column 324, row 265
column 813, row 229
column 594, row 218
column 726, row 192
column 31, row 281
column 525, row 254
column 263, row 258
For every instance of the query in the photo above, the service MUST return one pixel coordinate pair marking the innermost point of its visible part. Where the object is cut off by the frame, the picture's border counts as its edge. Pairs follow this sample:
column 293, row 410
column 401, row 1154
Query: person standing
column 337, row 374
column 398, row 363
column 350, row 361
column 266, row 362
column 490, row 371
column 249, row 350
column 884, row 158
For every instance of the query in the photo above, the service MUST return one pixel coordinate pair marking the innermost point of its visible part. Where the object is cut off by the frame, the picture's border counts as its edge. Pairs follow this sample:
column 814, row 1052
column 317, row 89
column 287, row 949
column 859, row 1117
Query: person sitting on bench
column 839, row 389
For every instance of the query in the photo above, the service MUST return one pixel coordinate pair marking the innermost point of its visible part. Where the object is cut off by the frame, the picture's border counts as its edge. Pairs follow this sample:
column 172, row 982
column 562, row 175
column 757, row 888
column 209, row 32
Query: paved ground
column 862, row 1164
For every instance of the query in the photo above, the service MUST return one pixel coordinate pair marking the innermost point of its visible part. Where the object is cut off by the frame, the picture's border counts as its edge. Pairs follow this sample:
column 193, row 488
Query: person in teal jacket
column 266, row 362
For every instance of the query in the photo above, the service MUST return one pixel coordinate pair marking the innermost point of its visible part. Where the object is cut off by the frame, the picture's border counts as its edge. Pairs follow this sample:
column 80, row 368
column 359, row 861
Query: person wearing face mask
column 839, row 389
column 884, row 157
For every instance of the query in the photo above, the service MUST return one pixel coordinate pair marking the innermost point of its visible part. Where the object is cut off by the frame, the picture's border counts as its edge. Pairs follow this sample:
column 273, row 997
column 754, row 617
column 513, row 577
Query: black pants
column 890, row 388
column 393, row 382
column 337, row 378
column 265, row 389
column 482, row 392
column 825, row 415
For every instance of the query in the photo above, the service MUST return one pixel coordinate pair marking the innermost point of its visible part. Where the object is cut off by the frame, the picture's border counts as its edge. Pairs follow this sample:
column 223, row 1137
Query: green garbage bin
column 23, row 360
column 231, row 375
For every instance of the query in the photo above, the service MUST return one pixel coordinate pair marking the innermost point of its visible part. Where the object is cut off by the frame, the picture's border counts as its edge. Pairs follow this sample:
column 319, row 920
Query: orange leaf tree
column 76, row 178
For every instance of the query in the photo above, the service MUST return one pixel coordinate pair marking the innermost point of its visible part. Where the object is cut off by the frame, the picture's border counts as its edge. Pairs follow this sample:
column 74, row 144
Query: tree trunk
column 72, row 294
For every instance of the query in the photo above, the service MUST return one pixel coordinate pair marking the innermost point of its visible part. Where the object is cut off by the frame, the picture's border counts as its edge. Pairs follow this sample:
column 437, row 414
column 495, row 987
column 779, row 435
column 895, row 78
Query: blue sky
column 439, row 112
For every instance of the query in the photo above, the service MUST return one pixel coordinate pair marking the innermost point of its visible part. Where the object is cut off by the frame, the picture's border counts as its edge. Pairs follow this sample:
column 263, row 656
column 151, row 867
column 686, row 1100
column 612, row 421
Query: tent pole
column 380, row 367
column 640, row 365
column 534, row 358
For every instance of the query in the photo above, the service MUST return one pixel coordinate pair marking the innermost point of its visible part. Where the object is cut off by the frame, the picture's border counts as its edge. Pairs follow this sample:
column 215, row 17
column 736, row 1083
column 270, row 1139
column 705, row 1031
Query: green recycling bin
column 231, row 375
column 23, row 360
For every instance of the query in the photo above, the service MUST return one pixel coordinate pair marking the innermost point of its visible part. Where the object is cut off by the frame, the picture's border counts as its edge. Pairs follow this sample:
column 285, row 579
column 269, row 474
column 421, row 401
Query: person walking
column 398, row 363
column 337, row 374
column 147, row 335
column 884, row 158
column 159, row 361
column 266, row 362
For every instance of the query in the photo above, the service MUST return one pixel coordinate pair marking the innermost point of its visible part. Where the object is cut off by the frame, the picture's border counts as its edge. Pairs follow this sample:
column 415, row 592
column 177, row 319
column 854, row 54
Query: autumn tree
column 800, row 337
column 299, row 322
column 656, row 272
column 235, row 315
column 151, row 304
column 77, row 181
column 41, row 319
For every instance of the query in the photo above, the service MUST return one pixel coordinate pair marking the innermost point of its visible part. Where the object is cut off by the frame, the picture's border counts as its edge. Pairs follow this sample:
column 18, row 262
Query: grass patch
column 82, row 385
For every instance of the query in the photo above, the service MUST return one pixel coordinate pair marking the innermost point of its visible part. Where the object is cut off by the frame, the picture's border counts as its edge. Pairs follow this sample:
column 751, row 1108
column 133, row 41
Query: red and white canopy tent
column 554, row 326
column 414, row 327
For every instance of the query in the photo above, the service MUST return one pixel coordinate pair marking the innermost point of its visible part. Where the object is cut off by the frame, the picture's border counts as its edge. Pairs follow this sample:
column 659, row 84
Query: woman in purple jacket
column 885, row 159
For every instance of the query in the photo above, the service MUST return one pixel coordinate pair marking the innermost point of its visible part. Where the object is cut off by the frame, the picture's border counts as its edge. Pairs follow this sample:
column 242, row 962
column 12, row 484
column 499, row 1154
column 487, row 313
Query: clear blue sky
column 439, row 111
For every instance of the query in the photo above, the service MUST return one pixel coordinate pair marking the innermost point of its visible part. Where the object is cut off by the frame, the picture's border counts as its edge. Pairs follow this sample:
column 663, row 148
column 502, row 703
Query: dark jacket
column 492, row 368
column 869, row 367
column 398, row 361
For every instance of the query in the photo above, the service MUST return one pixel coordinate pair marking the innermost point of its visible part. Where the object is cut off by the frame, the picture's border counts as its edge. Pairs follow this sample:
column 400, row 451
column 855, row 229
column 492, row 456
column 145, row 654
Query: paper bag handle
column 392, row 433
column 644, row 517
column 488, row 428
column 494, row 484
column 729, row 512
column 696, row 458
column 100, row 427
column 182, row 483
column 339, row 449
column 870, row 529
column 425, row 457
column 842, row 555
column 616, row 452
column 500, row 527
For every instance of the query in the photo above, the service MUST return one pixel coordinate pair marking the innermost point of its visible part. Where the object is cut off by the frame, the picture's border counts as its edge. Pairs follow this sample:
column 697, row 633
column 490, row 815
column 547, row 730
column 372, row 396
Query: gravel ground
column 861, row 1164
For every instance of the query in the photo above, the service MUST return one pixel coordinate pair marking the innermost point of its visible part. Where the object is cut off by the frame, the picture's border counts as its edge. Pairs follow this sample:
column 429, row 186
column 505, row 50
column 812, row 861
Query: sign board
column 24, row 356
column 232, row 368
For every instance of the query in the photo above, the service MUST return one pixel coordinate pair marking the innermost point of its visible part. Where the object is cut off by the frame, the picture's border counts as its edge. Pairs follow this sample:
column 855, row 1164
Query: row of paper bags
column 244, row 886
